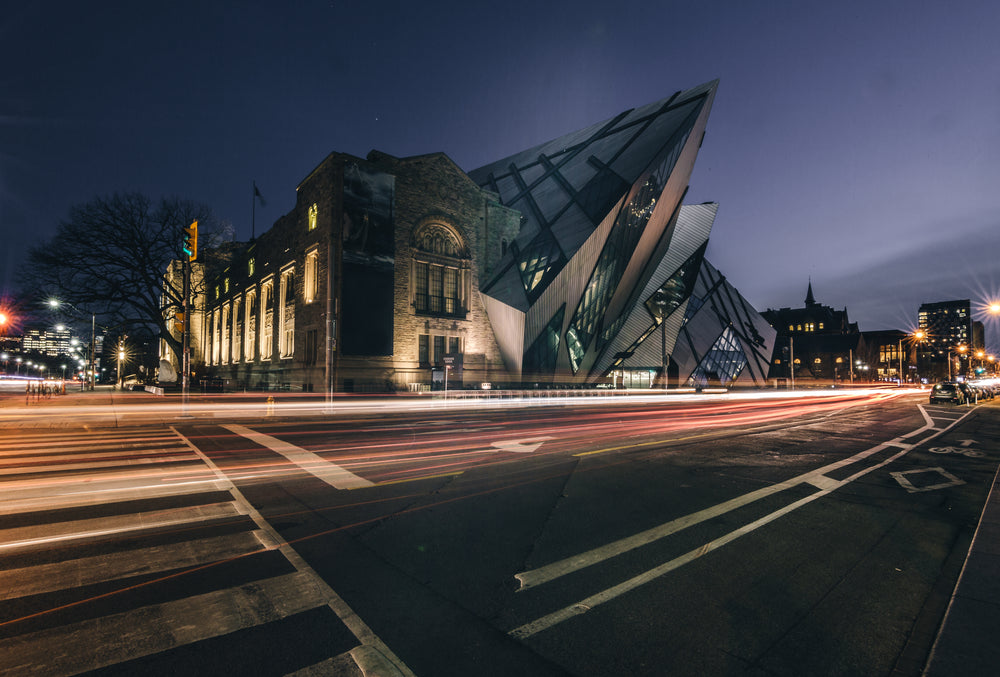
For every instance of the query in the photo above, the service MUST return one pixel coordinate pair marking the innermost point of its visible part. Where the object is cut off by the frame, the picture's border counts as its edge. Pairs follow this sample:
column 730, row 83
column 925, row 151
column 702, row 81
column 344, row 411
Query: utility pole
column 190, row 250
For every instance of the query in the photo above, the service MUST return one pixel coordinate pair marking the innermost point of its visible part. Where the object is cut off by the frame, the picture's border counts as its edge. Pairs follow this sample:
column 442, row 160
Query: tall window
column 311, row 280
column 215, row 336
column 225, row 334
column 249, row 328
column 440, row 263
column 237, row 331
column 286, row 310
column 438, row 350
column 266, row 318
column 313, row 216
column 423, row 349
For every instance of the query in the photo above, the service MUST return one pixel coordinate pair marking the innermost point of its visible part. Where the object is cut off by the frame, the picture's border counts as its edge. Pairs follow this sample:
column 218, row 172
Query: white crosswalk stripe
column 171, row 518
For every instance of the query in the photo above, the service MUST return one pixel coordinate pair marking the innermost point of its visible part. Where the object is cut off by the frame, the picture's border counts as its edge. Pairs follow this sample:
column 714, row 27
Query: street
column 770, row 536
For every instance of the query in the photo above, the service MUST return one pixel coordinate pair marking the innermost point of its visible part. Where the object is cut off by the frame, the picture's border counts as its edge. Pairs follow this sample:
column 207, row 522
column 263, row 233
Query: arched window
column 441, row 263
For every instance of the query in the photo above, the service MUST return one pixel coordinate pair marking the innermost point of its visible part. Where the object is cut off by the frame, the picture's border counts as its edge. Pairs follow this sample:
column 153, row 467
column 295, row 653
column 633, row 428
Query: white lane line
column 318, row 466
column 62, row 532
column 345, row 613
column 93, row 488
column 110, row 461
column 552, row 571
column 70, row 649
column 73, row 573
column 816, row 478
column 534, row 627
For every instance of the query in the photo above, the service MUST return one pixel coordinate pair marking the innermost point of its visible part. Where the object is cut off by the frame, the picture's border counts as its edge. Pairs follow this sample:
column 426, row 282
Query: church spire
column 810, row 301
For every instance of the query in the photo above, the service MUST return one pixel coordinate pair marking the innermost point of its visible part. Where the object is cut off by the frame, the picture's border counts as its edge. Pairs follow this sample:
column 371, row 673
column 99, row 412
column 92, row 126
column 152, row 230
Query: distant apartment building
column 950, row 336
column 51, row 342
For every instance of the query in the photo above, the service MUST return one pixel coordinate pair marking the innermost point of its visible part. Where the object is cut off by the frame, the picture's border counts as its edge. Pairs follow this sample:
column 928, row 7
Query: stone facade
column 408, row 241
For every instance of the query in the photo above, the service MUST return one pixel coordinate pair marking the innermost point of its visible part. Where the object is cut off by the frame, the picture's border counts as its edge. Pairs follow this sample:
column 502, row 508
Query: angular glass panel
column 678, row 287
column 540, row 358
column 540, row 259
column 722, row 363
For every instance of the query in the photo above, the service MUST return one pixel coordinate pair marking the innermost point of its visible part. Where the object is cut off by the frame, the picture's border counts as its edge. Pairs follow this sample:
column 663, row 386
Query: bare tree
column 110, row 256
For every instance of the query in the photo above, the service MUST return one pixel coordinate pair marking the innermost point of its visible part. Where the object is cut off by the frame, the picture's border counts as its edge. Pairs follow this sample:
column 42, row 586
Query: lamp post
column 18, row 371
column 55, row 303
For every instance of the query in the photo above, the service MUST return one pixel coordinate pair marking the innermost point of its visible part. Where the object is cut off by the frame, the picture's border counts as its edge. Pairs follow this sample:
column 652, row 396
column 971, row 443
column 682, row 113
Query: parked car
column 948, row 392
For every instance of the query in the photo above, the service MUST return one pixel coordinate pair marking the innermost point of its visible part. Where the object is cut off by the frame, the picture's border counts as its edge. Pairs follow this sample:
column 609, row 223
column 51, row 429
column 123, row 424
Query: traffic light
column 179, row 322
column 190, row 247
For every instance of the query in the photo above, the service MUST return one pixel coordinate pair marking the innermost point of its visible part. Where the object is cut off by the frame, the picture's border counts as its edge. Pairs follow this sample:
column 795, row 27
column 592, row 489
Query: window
column 313, row 216
column 437, row 290
column 312, row 343
column 453, row 348
column 225, row 334
column 286, row 314
column 310, row 288
column 249, row 327
column 266, row 318
column 225, row 285
column 422, row 349
column 237, row 331
column 439, row 271
column 438, row 350
column 251, row 267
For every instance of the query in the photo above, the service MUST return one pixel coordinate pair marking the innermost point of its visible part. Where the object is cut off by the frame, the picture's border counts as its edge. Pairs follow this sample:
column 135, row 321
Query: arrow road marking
column 316, row 465
column 525, row 446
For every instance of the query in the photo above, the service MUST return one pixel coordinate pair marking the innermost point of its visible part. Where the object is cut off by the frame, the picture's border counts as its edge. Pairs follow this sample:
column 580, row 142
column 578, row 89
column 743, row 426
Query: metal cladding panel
column 694, row 224
column 627, row 142
column 572, row 229
column 634, row 159
column 724, row 307
column 508, row 328
column 567, row 288
column 648, row 353
column 670, row 199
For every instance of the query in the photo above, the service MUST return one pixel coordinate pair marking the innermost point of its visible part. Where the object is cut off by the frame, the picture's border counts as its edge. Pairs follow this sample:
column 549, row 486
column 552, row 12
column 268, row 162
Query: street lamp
column 55, row 303
column 18, row 372
column 958, row 349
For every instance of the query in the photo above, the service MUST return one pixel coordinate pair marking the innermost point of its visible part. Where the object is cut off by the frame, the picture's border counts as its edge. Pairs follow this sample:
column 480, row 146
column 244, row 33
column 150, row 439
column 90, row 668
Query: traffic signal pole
column 190, row 249
column 186, row 340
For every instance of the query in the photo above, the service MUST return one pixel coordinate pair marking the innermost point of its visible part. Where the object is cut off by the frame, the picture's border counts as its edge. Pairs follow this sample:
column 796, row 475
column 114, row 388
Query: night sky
column 856, row 144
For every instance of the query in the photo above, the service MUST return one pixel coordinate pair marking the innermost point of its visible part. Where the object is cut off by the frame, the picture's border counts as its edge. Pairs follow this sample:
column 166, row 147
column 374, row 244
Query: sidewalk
column 967, row 642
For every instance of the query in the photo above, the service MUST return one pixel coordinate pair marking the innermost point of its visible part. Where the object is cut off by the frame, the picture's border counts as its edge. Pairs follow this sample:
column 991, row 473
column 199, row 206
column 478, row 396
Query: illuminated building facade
column 606, row 280
column 573, row 262
column 819, row 342
column 948, row 327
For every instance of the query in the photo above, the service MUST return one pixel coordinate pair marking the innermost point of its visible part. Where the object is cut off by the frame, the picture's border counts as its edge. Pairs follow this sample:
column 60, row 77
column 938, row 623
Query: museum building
column 571, row 263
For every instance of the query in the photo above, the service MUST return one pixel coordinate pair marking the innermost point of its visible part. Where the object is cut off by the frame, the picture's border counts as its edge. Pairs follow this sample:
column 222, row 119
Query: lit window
column 313, row 215
column 251, row 267
column 286, row 314
column 817, row 360
column 311, row 276
column 225, row 285
column 266, row 317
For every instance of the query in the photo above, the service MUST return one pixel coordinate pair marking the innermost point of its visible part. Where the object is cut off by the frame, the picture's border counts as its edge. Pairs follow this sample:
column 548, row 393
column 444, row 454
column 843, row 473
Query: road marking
column 42, row 578
column 335, row 602
column 61, row 532
column 315, row 465
column 952, row 481
column 523, row 446
column 417, row 479
column 816, row 478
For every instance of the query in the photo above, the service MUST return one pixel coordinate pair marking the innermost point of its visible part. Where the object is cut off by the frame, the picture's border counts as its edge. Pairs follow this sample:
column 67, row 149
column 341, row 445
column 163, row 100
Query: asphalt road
column 737, row 537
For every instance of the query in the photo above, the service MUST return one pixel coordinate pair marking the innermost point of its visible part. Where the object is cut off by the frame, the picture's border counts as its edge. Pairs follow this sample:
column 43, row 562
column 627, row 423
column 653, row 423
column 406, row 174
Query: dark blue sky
column 856, row 143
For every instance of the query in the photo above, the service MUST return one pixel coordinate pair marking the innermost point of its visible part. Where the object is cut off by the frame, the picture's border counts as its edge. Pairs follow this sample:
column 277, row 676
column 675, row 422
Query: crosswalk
column 128, row 552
